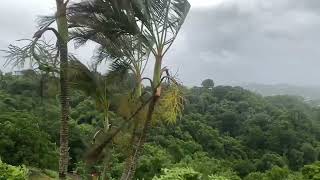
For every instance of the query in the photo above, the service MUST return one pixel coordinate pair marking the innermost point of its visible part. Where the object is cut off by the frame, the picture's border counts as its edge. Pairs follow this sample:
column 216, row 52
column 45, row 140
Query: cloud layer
column 238, row 41
column 234, row 41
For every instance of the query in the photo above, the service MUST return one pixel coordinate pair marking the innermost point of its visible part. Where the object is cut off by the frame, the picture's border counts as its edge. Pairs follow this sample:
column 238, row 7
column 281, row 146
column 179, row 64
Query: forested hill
column 225, row 133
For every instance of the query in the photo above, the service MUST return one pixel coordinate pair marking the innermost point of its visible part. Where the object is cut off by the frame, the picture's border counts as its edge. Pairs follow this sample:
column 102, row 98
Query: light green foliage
column 217, row 177
column 312, row 171
column 8, row 172
column 254, row 176
column 276, row 173
column 82, row 170
column 170, row 105
column 207, row 166
column 152, row 161
column 179, row 174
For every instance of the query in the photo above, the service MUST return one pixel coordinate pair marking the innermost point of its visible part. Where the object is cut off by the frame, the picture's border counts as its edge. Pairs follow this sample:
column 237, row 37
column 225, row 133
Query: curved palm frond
column 45, row 21
column 83, row 79
column 114, row 25
column 39, row 54
column 108, row 17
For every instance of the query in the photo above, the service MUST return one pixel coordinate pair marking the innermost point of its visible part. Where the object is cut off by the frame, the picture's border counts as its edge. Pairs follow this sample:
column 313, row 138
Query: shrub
column 8, row 172
column 179, row 173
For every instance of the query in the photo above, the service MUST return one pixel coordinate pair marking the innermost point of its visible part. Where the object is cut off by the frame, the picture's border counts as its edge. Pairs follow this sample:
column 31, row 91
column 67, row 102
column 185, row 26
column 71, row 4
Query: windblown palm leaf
column 164, row 21
column 103, row 18
column 128, row 30
column 113, row 25
column 40, row 55
column 94, row 84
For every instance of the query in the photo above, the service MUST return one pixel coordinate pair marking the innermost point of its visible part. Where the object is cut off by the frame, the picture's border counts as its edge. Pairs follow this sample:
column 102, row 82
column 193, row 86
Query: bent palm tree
column 96, row 86
column 165, row 18
column 155, row 24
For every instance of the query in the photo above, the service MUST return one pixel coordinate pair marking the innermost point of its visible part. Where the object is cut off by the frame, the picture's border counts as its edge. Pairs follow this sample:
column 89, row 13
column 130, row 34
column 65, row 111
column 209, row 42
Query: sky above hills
column 229, row 41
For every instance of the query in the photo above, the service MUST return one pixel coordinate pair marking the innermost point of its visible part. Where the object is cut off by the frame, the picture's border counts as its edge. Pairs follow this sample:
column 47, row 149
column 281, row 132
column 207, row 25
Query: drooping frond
column 118, row 68
column 82, row 78
column 114, row 25
column 108, row 17
column 93, row 83
column 40, row 55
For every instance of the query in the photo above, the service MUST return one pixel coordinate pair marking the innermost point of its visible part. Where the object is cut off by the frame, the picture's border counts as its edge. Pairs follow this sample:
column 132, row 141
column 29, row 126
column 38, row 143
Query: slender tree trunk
column 106, row 160
column 129, row 160
column 135, row 135
column 132, row 161
column 140, row 143
column 64, row 88
column 107, row 149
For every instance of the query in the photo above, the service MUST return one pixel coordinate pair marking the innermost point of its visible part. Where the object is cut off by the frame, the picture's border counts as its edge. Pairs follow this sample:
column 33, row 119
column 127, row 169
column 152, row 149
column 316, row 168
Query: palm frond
column 106, row 16
column 165, row 18
column 40, row 55
column 119, row 68
column 45, row 21
column 115, row 26
column 82, row 78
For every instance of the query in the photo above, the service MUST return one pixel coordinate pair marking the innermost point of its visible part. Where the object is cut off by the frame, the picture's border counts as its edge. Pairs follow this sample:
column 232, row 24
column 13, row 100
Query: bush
column 311, row 171
column 22, row 141
column 216, row 177
column 8, row 172
column 179, row 173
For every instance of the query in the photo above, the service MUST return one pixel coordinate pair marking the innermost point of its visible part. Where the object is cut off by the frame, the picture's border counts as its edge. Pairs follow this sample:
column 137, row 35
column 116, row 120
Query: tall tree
column 62, row 24
column 48, row 58
column 122, row 48
column 162, row 25
column 156, row 23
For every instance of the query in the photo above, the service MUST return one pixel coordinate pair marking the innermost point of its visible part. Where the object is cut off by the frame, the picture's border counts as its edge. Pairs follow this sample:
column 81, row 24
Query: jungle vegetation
column 64, row 119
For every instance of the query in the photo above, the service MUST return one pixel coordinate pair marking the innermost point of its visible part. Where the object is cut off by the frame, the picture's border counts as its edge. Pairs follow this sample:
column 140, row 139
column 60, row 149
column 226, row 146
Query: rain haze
column 229, row 41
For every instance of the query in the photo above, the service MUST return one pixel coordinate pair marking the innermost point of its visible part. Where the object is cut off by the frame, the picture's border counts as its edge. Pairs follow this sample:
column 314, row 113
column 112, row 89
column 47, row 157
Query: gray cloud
column 238, row 41
column 274, row 41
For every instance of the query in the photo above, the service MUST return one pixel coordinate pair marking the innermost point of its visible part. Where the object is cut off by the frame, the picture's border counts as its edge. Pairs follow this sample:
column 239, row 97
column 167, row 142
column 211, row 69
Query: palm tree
column 153, row 23
column 164, row 20
column 62, row 25
column 46, row 58
column 123, row 48
column 96, row 86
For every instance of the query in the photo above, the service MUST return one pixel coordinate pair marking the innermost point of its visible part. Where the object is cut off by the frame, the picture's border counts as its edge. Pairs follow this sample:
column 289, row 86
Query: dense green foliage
column 8, row 172
column 224, row 133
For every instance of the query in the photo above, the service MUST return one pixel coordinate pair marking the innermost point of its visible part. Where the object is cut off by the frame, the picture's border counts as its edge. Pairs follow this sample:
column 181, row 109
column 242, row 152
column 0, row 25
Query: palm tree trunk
column 64, row 88
column 134, row 136
column 132, row 161
column 107, row 150
column 106, row 161
column 129, row 160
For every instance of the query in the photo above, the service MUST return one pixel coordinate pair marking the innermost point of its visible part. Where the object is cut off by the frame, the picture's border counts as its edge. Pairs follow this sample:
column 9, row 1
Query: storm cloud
column 241, row 41
column 231, row 42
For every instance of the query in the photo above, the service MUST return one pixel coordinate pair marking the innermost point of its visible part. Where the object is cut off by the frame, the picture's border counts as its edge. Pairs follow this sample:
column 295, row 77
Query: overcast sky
column 229, row 41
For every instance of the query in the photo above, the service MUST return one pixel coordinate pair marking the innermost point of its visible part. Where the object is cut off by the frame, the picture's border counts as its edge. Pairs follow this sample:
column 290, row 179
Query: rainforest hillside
column 224, row 133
